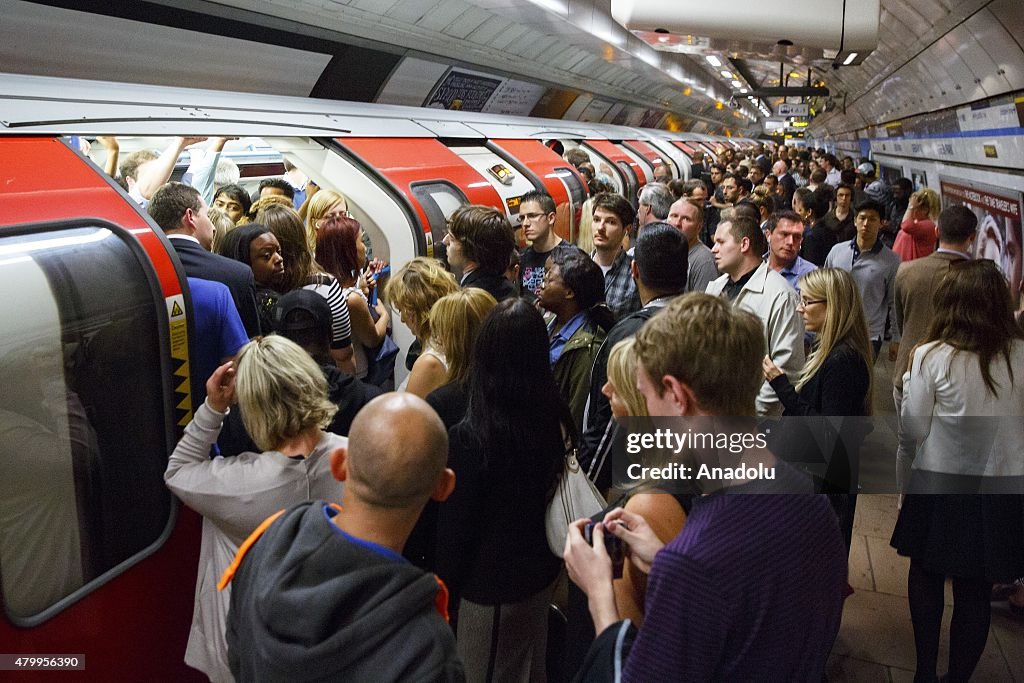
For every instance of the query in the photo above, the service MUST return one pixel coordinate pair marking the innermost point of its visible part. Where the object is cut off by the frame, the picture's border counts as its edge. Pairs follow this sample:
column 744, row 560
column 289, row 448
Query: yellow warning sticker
column 179, row 358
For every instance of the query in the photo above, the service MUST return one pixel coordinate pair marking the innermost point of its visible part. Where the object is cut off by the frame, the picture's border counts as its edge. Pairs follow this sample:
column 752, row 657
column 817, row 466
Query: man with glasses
column 873, row 267
column 537, row 210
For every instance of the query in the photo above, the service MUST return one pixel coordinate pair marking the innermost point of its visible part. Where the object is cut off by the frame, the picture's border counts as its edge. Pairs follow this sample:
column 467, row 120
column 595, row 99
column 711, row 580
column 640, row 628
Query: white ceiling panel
column 974, row 58
column 375, row 6
column 443, row 14
column 467, row 23
column 489, row 30
column 1000, row 49
column 1010, row 15
column 411, row 11
column 512, row 34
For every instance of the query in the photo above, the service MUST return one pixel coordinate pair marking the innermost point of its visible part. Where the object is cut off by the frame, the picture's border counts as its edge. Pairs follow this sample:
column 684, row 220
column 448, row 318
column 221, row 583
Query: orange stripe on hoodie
column 440, row 600
column 229, row 573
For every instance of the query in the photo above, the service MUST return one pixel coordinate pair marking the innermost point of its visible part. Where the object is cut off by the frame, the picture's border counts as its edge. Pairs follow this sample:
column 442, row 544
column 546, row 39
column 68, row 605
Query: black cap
column 301, row 309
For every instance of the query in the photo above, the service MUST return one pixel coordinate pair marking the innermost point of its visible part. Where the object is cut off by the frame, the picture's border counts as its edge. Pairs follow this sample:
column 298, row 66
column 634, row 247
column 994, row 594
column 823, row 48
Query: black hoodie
column 311, row 603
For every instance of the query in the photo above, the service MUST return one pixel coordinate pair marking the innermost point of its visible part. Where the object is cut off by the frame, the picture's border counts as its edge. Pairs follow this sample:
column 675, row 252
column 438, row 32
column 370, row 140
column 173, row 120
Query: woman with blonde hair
column 325, row 204
column 620, row 389
column 835, row 381
column 413, row 291
column 455, row 322
column 918, row 235
column 302, row 271
column 282, row 395
column 222, row 225
column 585, row 235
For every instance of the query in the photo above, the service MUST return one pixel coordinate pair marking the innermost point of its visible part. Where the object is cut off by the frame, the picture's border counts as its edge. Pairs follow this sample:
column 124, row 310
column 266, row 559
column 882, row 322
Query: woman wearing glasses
column 835, row 381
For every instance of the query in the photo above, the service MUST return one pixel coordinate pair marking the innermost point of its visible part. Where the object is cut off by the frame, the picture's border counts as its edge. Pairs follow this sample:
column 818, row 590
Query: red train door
column 97, row 559
column 427, row 176
column 560, row 179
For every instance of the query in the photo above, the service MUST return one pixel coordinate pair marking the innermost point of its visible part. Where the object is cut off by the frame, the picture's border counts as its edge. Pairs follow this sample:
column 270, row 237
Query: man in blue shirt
column 873, row 267
column 785, row 236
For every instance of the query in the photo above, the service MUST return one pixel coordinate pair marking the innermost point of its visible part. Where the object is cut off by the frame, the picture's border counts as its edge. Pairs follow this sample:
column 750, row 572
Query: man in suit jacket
column 181, row 212
column 479, row 242
column 916, row 281
column 787, row 186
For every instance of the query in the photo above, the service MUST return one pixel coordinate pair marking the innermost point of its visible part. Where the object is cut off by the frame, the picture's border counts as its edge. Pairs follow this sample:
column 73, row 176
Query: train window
column 85, row 410
column 577, row 192
column 632, row 183
column 439, row 199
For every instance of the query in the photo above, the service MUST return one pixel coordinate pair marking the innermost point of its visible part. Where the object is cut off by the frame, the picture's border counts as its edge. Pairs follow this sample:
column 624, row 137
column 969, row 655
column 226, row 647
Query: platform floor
column 876, row 640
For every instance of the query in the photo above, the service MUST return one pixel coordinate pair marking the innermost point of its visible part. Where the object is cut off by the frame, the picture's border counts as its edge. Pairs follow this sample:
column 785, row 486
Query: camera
column 613, row 544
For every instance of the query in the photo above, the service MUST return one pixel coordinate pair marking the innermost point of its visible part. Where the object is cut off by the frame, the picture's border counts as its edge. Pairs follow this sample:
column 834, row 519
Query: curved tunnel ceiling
column 932, row 54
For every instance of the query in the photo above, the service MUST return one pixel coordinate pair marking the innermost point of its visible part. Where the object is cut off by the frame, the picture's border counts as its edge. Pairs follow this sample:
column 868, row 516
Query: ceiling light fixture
column 713, row 60
column 849, row 60
column 727, row 74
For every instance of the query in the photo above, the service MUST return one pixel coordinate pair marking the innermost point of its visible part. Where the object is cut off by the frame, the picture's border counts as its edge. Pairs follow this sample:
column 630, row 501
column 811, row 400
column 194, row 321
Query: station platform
column 876, row 639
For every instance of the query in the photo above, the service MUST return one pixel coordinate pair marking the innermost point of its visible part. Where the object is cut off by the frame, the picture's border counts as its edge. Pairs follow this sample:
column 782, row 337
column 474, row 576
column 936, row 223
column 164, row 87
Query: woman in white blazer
column 282, row 394
column 963, row 402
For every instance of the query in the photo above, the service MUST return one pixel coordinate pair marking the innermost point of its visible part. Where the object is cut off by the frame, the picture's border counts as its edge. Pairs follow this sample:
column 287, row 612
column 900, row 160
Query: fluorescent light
column 558, row 6
column 713, row 60
column 737, row 84
column 849, row 60
column 727, row 74
column 743, row 90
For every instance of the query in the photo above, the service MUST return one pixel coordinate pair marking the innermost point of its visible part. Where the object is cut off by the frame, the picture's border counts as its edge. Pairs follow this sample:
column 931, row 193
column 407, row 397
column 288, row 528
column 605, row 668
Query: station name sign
column 785, row 109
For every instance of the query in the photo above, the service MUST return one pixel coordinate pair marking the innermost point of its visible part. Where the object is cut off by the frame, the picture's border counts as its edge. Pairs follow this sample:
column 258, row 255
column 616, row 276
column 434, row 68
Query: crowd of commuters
column 402, row 537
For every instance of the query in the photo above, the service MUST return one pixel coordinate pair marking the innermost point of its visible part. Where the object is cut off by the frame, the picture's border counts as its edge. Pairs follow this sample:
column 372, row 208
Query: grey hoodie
column 311, row 603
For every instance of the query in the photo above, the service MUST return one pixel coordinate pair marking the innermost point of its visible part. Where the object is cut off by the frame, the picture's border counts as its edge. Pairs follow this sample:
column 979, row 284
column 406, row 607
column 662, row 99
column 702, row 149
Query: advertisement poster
column 462, row 90
column 999, row 223
column 515, row 98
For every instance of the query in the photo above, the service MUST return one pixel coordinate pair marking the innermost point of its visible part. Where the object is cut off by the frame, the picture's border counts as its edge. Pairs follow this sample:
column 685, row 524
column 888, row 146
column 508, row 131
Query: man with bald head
column 322, row 589
column 687, row 216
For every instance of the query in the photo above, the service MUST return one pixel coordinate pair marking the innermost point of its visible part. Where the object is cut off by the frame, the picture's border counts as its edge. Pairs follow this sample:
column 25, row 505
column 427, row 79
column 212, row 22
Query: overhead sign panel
column 793, row 110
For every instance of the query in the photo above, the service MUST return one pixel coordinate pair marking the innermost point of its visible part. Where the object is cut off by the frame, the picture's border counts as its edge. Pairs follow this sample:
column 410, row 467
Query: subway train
column 96, row 556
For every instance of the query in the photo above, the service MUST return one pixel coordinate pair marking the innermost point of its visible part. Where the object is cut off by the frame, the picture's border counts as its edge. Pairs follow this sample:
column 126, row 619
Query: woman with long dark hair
column 573, row 289
column 302, row 271
column 969, row 371
column 508, row 454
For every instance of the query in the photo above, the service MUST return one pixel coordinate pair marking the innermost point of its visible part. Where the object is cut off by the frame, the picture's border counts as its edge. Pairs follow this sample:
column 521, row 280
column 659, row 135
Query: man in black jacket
column 479, row 243
column 180, row 210
column 323, row 594
column 659, row 269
